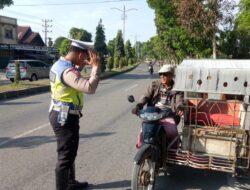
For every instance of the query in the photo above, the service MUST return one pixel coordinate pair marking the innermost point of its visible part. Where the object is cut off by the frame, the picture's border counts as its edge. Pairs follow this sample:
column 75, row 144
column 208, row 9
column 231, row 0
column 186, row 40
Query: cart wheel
column 144, row 174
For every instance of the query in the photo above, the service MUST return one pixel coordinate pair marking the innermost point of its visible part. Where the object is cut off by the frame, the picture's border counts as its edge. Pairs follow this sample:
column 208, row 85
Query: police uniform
column 67, row 88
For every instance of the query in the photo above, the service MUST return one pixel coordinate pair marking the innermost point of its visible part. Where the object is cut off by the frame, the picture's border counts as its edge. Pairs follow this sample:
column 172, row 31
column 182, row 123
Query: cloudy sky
column 85, row 14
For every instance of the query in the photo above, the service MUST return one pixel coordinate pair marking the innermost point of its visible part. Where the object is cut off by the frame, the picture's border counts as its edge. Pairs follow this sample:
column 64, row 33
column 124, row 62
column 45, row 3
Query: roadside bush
column 116, row 62
column 110, row 63
column 130, row 61
column 121, row 62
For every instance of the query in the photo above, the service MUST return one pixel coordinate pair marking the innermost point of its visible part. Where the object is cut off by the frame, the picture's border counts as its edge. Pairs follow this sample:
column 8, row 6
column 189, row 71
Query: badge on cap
column 81, row 44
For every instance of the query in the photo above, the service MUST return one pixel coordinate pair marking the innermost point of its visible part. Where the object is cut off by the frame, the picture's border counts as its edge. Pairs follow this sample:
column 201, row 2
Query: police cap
column 81, row 44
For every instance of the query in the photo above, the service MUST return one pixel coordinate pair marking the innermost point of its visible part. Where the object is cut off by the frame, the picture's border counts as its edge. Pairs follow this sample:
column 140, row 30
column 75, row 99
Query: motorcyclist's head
column 166, row 75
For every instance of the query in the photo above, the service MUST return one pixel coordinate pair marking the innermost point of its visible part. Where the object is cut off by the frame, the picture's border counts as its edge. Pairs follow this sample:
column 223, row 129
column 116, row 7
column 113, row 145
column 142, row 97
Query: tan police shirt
column 72, row 77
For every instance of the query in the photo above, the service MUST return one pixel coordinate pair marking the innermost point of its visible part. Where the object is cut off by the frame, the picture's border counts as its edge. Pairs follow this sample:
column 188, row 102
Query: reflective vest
column 60, row 92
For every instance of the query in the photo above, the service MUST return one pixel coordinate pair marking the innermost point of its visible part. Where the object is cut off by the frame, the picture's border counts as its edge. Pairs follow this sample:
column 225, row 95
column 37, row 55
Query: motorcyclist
column 160, row 94
column 150, row 67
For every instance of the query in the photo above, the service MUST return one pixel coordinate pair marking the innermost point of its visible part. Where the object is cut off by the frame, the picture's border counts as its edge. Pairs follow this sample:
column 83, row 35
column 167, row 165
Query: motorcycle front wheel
column 144, row 173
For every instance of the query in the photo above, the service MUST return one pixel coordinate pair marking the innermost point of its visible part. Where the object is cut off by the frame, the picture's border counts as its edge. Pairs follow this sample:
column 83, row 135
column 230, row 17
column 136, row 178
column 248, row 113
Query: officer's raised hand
column 94, row 59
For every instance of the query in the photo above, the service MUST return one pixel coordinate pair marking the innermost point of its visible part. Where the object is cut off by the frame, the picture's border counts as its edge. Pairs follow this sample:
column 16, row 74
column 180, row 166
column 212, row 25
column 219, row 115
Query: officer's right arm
column 73, row 78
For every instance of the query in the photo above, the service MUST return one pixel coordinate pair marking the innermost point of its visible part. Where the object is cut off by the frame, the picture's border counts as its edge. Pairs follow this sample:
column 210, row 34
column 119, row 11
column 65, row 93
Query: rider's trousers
column 171, row 132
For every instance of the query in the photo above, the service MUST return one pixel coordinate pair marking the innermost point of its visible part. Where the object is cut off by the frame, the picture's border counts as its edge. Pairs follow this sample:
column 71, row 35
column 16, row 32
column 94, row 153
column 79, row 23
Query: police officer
column 67, row 88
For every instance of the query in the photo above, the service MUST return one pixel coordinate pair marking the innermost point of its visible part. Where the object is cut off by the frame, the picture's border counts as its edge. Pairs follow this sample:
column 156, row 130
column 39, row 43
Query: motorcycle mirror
column 131, row 98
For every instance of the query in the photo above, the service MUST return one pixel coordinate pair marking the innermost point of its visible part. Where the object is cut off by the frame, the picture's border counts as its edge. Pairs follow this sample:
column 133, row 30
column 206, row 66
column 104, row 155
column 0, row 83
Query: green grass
column 23, row 85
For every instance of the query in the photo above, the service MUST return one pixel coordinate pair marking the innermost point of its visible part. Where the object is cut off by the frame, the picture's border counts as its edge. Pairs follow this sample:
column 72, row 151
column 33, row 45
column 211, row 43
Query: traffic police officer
column 67, row 88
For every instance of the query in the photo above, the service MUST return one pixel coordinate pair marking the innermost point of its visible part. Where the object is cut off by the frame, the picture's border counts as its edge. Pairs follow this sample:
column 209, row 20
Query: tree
column 100, row 45
column 63, row 44
column 17, row 72
column 64, row 48
column 4, row 3
column 119, row 49
column 116, row 61
column 152, row 48
column 80, row 34
column 110, row 63
column 189, row 28
column 128, row 51
column 138, row 50
column 243, row 20
column 202, row 18
column 111, row 47
column 235, row 43
column 242, row 30
column 173, row 40
column 58, row 42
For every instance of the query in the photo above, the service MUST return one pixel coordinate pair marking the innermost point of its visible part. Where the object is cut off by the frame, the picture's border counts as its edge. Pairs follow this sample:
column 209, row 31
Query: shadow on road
column 25, row 142
column 125, row 184
column 34, row 141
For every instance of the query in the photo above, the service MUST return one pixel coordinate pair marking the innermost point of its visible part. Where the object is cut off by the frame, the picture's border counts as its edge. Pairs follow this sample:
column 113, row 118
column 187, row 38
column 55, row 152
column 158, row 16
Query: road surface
column 107, row 142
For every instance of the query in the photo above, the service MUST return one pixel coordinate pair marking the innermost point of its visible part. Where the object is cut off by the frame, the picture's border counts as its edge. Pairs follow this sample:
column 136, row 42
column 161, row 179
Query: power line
column 75, row 3
column 32, row 16
column 23, row 14
column 28, row 21
column 34, row 23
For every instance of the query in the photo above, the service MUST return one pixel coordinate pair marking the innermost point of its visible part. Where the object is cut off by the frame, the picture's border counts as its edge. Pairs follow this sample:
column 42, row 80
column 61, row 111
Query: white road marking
column 25, row 133
column 131, row 87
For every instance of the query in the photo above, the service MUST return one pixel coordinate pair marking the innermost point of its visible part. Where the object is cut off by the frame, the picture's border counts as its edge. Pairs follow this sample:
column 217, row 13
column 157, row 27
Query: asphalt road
column 107, row 142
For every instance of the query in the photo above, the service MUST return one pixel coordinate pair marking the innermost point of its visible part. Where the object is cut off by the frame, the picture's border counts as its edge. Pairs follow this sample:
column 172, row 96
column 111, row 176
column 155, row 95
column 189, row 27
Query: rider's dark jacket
column 152, row 96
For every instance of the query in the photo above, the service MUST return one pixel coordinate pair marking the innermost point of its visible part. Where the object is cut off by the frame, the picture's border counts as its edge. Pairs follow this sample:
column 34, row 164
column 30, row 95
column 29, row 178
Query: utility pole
column 124, row 18
column 46, row 26
column 136, row 46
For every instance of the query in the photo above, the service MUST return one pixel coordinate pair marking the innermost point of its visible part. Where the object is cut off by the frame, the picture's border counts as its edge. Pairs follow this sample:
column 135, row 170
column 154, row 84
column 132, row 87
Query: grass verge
column 23, row 85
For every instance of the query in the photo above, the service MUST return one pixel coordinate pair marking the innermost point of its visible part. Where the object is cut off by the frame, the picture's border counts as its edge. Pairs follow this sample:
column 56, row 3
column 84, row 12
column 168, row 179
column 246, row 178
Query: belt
column 70, row 104
column 74, row 112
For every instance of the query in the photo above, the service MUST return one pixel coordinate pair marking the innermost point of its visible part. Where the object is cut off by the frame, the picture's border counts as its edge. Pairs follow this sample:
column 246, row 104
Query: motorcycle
column 150, row 69
column 151, row 156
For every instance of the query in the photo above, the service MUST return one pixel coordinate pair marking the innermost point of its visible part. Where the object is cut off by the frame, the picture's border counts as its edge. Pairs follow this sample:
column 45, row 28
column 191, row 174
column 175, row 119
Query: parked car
column 29, row 70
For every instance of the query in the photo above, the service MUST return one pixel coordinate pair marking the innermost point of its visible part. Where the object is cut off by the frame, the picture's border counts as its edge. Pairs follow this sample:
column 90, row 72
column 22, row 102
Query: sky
column 139, row 23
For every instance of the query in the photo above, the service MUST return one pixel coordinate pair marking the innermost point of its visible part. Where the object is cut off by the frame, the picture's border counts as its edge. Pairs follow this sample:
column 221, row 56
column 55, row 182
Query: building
column 8, row 35
column 27, row 37
column 20, row 42
column 8, row 30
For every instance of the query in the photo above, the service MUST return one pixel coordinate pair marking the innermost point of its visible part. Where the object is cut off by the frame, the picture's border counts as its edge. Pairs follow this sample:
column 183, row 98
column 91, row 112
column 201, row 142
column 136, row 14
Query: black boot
column 62, row 179
column 73, row 183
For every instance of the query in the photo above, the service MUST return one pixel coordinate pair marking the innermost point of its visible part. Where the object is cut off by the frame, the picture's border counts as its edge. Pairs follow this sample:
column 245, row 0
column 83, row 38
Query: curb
column 24, row 92
column 43, row 89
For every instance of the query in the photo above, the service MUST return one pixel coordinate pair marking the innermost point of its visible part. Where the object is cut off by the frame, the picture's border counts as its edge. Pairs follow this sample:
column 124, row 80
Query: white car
column 29, row 69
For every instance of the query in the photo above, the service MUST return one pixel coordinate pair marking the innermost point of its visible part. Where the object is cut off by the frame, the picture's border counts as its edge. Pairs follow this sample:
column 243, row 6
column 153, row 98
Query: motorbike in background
column 150, row 69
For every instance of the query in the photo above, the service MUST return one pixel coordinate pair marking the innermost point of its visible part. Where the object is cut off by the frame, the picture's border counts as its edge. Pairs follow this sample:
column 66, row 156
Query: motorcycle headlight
column 151, row 116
